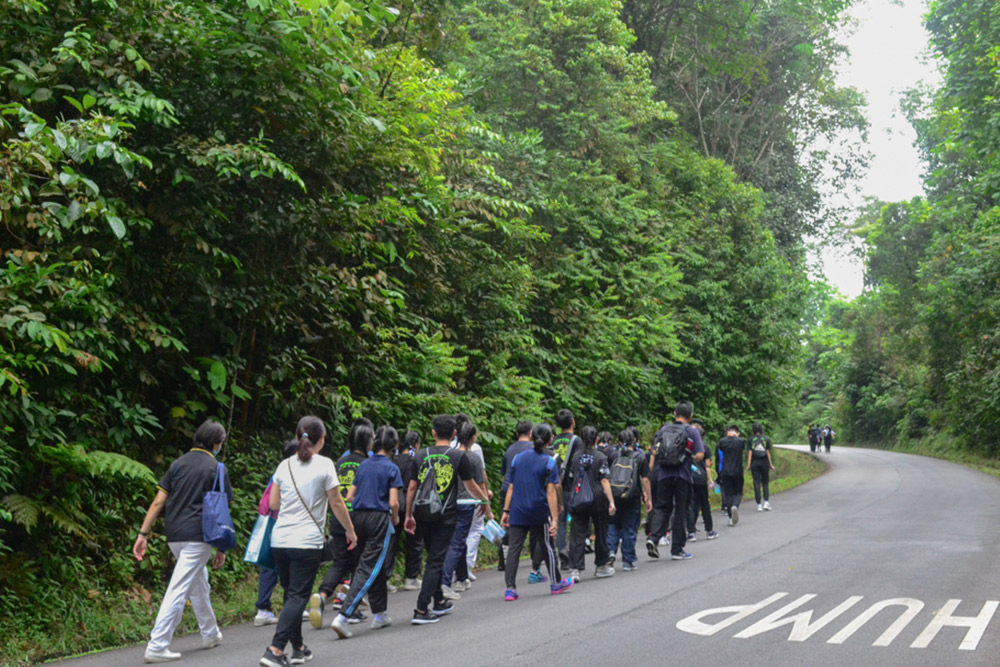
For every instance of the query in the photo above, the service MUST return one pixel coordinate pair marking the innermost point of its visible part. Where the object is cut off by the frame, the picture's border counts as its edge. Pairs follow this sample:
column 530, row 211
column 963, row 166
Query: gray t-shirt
column 478, row 471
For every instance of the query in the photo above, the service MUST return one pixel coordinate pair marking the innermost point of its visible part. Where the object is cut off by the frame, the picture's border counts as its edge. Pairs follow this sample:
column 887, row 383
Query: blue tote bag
column 259, row 545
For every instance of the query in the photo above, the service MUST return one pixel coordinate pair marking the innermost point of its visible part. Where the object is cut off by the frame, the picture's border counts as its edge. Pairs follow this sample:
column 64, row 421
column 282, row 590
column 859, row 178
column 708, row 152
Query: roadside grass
column 103, row 621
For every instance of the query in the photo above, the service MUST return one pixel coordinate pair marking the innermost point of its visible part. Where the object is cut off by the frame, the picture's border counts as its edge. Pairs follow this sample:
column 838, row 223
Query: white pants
column 189, row 581
column 472, row 541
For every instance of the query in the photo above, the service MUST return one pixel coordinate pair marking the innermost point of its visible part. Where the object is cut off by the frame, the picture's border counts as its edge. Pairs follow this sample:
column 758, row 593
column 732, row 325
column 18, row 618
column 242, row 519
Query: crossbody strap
column 308, row 511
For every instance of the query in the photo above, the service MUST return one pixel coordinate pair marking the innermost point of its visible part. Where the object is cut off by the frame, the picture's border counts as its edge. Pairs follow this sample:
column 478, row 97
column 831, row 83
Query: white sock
column 381, row 616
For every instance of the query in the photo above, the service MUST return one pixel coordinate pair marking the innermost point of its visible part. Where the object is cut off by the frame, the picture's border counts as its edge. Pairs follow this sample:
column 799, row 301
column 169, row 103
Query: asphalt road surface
column 887, row 559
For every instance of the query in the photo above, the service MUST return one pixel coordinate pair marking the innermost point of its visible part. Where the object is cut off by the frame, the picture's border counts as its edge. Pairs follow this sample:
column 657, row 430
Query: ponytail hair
column 589, row 437
column 541, row 436
column 467, row 434
column 386, row 439
column 362, row 437
column 626, row 438
column 308, row 432
column 410, row 440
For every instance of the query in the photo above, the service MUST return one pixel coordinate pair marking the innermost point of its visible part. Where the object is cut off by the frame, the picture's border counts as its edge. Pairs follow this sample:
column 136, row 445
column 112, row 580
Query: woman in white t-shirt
column 304, row 485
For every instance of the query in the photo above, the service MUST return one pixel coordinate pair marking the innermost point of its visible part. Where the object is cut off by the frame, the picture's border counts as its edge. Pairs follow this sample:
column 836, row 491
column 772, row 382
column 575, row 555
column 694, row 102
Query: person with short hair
column 564, row 445
column 181, row 492
column 623, row 527
column 729, row 468
column 674, row 481
column 701, row 480
column 589, row 466
column 449, row 465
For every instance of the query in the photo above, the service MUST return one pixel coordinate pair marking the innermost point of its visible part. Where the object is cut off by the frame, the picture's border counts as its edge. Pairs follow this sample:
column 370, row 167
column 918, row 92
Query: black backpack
column 624, row 477
column 672, row 449
column 427, row 503
column 581, row 497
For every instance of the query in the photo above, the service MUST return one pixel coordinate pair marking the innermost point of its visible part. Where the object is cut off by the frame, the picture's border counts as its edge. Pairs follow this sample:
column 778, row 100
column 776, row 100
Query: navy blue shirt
column 512, row 451
column 373, row 479
column 530, row 473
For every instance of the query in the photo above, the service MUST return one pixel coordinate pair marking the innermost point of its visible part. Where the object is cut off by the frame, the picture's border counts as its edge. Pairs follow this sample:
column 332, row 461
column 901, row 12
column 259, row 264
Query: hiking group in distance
column 563, row 494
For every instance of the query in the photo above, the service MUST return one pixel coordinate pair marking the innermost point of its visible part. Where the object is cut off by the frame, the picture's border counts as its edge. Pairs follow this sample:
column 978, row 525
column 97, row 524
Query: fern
column 109, row 463
column 23, row 510
column 66, row 519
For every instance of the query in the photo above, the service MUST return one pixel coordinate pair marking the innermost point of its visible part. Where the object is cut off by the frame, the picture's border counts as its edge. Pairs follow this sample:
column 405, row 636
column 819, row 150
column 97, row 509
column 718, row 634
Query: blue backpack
column 216, row 524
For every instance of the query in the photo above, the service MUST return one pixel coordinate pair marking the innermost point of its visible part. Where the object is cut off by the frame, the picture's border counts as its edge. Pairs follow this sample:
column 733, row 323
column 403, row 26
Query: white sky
column 886, row 57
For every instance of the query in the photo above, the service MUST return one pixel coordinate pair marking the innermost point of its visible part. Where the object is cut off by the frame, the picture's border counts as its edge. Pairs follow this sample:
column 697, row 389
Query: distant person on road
column 701, row 480
column 268, row 579
column 828, row 438
column 304, row 486
column 813, row 437
column 531, row 506
column 446, row 467
column 181, row 491
column 760, row 466
column 374, row 498
column 677, row 446
column 590, row 467
column 729, row 465
column 623, row 527
column 456, row 566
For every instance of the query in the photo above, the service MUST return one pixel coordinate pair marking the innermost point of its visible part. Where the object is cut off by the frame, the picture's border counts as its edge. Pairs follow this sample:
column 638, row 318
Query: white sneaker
column 734, row 514
column 212, row 642
column 341, row 627
column 604, row 571
column 472, row 576
column 412, row 584
column 264, row 617
column 449, row 593
column 458, row 586
column 574, row 576
column 760, row 508
column 664, row 542
column 391, row 589
column 163, row 655
column 466, row 585
column 767, row 506
column 379, row 623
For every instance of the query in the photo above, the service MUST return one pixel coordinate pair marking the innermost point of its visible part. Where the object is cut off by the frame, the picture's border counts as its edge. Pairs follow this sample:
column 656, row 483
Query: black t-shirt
column 404, row 461
column 636, row 501
column 347, row 466
column 564, row 445
column 187, row 481
column 729, row 456
column 598, row 470
column 451, row 466
column 760, row 445
column 516, row 448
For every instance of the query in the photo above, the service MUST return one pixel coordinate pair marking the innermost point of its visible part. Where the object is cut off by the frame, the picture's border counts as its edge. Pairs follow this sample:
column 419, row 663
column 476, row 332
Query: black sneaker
column 358, row 617
column 271, row 660
column 423, row 618
column 651, row 548
column 443, row 607
column 301, row 656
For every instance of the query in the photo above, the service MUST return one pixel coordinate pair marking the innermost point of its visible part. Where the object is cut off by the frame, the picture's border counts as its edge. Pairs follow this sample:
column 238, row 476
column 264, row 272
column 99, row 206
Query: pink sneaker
column 510, row 595
column 561, row 587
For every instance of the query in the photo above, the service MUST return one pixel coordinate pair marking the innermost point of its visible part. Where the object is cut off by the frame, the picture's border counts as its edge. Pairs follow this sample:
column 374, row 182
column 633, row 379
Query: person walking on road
column 522, row 442
column 760, row 466
column 531, row 505
column 729, row 465
column 180, row 492
column 677, row 446
column 623, row 527
column 589, row 467
column 563, row 446
column 828, row 437
column 413, row 548
column 437, row 472
column 456, row 566
column 374, row 498
column 304, row 486
column 701, row 480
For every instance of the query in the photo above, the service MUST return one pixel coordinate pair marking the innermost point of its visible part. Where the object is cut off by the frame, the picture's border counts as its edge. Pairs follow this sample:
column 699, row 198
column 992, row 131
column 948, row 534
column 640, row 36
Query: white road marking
column 802, row 628
column 913, row 607
column 695, row 626
column 976, row 624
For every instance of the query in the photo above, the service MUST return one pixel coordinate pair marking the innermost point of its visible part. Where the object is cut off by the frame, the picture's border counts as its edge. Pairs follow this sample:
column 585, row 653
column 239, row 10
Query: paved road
column 911, row 538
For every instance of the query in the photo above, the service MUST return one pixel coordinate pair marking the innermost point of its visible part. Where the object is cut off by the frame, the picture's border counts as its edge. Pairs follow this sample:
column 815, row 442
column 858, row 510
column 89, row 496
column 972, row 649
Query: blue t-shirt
column 530, row 474
column 512, row 451
column 683, row 471
column 373, row 479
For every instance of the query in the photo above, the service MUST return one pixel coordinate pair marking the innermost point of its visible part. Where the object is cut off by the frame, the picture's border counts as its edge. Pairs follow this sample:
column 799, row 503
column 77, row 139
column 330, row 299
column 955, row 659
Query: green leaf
column 217, row 376
column 89, row 101
column 117, row 226
column 32, row 129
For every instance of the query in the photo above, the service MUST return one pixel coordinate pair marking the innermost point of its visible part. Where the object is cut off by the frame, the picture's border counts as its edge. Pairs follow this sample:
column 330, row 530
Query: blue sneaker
column 561, row 587
column 536, row 577
column 510, row 595
column 681, row 556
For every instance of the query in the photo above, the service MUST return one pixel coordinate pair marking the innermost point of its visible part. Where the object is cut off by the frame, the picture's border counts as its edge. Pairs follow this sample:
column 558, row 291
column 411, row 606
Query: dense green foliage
column 256, row 209
column 917, row 355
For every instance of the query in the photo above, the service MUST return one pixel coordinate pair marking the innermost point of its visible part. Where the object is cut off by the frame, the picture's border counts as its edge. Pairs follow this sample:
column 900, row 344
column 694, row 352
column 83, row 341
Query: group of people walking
column 563, row 496
column 820, row 438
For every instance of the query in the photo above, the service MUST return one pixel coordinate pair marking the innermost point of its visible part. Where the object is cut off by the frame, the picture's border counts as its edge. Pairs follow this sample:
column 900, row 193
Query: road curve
column 886, row 559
